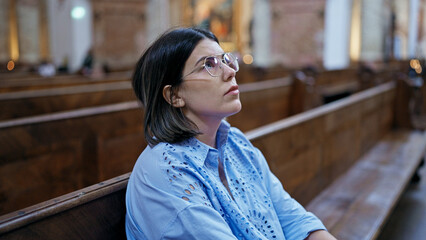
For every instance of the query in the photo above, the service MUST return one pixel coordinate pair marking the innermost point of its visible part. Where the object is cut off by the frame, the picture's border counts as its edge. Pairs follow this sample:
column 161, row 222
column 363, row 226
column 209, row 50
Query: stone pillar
column 422, row 28
column 401, row 8
column 158, row 18
column 81, row 33
column 371, row 30
column 375, row 19
column 70, row 32
column 413, row 27
column 261, row 33
column 28, row 31
column 60, row 32
column 337, row 23
column 4, row 32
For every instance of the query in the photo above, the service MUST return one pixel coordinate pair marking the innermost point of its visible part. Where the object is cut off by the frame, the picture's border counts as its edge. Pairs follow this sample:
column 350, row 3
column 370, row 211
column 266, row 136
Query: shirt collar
column 222, row 134
column 221, row 140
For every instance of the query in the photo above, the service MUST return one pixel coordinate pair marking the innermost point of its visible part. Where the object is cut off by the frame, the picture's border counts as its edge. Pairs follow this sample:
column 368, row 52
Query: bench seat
column 357, row 204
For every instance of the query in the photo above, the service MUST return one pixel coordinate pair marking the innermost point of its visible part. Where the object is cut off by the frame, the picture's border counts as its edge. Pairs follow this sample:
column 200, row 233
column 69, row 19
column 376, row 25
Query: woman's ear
column 172, row 97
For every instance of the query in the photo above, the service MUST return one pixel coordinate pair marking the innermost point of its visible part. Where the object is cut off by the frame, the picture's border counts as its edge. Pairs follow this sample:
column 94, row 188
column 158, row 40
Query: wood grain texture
column 43, row 101
column 10, row 84
column 344, row 158
column 67, row 150
column 309, row 151
column 358, row 203
column 48, row 156
column 95, row 212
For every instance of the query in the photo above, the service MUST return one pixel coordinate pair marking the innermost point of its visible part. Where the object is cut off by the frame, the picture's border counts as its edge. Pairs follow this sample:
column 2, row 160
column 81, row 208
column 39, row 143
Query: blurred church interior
column 324, row 50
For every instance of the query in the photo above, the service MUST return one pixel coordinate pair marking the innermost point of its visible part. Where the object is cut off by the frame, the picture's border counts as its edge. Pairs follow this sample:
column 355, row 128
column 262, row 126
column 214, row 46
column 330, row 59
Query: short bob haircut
column 162, row 64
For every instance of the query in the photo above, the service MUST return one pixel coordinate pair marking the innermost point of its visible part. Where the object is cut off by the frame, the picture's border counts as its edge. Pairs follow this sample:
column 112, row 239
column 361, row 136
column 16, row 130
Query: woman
column 199, row 178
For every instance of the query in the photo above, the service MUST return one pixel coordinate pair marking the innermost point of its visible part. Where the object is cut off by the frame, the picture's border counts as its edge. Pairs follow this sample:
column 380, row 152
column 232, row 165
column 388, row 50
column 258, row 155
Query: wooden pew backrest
column 43, row 101
column 309, row 151
column 65, row 151
column 95, row 212
column 33, row 83
column 262, row 102
column 46, row 156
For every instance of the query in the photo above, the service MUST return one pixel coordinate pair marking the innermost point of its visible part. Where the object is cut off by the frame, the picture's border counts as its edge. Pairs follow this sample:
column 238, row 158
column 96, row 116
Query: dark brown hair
column 162, row 64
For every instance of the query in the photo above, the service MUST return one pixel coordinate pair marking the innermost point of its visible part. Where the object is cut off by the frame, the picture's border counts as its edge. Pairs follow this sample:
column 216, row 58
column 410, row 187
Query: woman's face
column 205, row 97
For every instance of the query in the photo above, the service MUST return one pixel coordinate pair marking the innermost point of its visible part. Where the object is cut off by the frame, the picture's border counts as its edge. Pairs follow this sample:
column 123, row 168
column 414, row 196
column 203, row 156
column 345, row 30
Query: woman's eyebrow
column 199, row 60
column 204, row 57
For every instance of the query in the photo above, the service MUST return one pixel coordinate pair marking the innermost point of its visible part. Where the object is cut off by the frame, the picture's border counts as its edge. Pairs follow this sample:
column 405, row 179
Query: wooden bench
column 414, row 93
column 335, row 84
column 33, row 83
column 344, row 158
column 45, row 156
column 95, row 212
column 68, row 150
column 358, row 204
column 345, row 161
column 269, row 98
column 12, row 82
column 41, row 101
column 250, row 73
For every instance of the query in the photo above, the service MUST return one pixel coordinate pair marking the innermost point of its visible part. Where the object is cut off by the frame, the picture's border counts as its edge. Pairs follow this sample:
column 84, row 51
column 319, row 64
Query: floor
column 408, row 220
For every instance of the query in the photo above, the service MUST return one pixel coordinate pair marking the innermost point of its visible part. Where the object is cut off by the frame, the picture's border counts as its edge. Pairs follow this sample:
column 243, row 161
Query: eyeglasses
column 214, row 64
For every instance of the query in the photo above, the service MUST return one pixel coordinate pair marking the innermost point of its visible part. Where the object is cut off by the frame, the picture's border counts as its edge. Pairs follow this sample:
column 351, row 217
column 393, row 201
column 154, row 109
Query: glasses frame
column 221, row 62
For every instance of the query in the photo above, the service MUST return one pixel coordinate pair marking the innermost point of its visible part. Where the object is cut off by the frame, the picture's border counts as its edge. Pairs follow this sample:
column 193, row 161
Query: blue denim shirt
column 175, row 192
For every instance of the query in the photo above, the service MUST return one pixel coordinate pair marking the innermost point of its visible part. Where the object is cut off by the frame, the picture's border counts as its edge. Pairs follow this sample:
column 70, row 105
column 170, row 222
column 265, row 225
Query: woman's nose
column 228, row 72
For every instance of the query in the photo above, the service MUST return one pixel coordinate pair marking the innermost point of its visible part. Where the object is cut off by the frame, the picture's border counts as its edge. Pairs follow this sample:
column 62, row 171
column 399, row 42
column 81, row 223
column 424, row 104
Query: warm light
column 10, row 65
column 78, row 12
column 415, row 64
column 248, row 59
column 13, row 32
column 355, row 38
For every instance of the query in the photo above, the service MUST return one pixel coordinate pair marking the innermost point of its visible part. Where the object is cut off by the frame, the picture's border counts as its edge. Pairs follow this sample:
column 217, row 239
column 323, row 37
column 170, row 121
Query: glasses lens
column 212, row 66
column 231, row 61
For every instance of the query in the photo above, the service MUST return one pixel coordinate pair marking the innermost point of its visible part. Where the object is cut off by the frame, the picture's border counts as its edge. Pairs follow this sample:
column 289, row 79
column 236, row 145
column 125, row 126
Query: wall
column 297, row 32
column 119, row 36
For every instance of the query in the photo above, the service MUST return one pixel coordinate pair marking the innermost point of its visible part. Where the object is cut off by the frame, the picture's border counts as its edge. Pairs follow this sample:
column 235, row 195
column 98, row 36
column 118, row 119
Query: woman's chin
column 236, row 109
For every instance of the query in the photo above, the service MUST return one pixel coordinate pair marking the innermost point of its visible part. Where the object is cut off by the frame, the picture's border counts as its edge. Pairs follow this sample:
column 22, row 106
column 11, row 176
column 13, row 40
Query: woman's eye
column 226, row 59
column 210, row 63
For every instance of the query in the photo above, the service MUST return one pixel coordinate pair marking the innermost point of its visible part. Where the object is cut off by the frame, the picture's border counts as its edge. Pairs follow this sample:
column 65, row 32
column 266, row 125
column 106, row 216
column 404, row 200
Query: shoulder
column 165, row 181
column 238, row 144
column 160, row 163
column 171, row 168
column 235, row 135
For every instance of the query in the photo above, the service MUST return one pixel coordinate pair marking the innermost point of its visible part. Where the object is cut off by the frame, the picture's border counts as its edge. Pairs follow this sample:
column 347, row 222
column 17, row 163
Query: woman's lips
column 233, row 90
